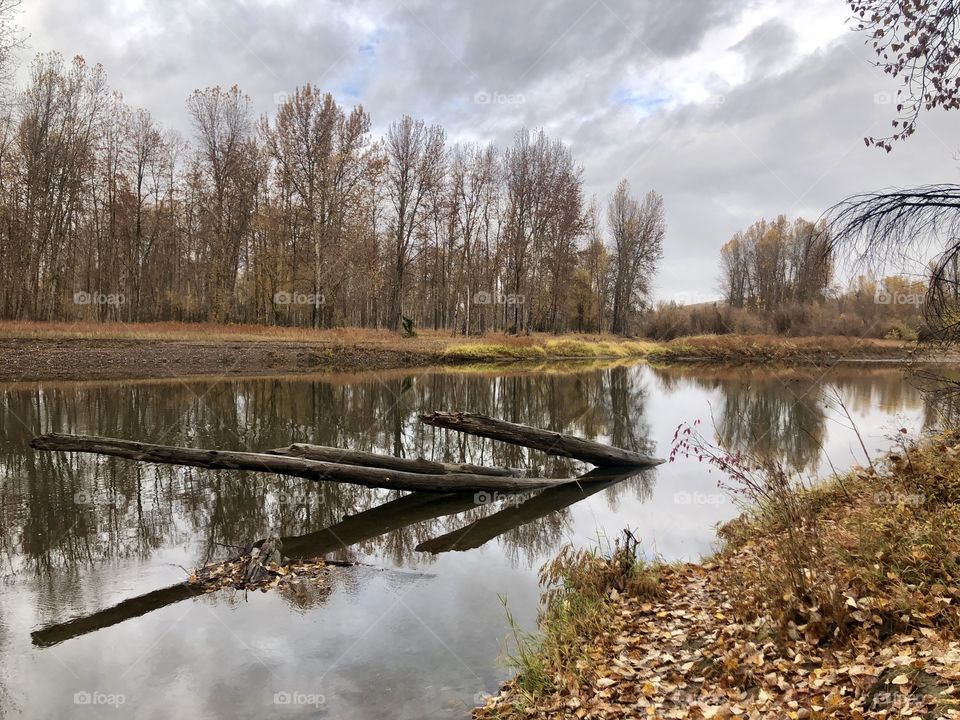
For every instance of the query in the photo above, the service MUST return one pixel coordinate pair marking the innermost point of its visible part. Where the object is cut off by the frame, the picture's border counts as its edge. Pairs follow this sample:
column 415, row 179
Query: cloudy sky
column 732, row 110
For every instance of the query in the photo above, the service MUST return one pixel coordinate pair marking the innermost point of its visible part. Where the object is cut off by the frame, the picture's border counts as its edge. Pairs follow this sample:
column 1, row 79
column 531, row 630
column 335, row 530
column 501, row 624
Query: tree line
column 771, row 264
column 303, row 218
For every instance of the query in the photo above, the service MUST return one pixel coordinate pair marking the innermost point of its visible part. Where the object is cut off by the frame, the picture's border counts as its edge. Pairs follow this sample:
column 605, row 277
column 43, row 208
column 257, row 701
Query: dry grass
column 547, row 347
column 211, row 332
column 884, row 548
column 575, row 608
column 493, row 347
column 867, row 631
column 770, row 348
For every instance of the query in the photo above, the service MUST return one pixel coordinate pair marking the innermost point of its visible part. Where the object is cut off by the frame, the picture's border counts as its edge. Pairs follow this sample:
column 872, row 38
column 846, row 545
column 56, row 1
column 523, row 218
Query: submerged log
column 550, row 442
column 353, row 529
column 283, row 465
column 482, row 531
column 388, row 462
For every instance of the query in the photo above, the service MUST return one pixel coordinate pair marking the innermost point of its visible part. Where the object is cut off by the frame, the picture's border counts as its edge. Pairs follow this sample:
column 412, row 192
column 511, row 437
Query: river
column 417, row 630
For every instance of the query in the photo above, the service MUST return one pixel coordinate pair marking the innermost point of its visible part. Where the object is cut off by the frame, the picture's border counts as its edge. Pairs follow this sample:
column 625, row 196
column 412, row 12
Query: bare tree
column 916, row 42
column 226, row 162
column 11, row 40
column 97, row 198
column 638, row 230
column 415, row 152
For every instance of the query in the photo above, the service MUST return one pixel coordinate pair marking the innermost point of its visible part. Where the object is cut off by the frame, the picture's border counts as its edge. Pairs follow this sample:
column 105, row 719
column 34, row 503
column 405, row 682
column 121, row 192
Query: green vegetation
column 538, row 349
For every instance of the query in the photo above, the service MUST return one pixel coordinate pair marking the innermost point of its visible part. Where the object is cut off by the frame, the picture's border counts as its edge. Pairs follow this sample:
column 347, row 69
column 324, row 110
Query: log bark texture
column 324, row 453
column 552, row 443
column 293, row 466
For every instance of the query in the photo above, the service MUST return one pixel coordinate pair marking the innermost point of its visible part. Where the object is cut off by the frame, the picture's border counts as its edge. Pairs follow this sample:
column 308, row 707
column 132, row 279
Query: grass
column 575, row 607
column 771, row 348
column 880, row 540
column 540, row 347
column 492, row 347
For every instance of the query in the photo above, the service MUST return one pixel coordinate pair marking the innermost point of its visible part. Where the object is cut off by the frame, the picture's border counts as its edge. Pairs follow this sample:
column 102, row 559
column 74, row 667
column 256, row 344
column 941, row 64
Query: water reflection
column 63, row 510
column 95, row 543
column 782, row 413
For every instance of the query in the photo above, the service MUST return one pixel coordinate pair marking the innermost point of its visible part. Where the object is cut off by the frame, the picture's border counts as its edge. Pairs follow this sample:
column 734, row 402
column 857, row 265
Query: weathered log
column 283, row 465
column 261, row 558
column 552, row 443
column 388, row 462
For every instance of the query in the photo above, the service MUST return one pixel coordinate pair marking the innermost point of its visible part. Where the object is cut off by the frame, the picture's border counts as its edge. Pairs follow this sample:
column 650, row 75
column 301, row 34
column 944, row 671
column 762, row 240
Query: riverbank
column 90, row 351
column 841, row 601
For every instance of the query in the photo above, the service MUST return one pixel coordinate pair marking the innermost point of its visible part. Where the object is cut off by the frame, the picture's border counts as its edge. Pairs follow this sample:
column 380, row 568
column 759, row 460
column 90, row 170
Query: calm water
column 413, row 633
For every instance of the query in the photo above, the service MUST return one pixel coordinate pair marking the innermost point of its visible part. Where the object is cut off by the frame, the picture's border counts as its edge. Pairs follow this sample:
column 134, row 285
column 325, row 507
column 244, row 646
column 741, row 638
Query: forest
column 304, row 218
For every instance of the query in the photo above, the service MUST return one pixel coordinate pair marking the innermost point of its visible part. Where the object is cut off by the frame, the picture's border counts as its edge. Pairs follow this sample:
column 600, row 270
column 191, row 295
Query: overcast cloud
column 732, row 110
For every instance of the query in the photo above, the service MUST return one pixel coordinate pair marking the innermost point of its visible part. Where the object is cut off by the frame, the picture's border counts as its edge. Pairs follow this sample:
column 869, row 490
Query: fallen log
column 388, row 462
column 552, row 443
column 283, row 465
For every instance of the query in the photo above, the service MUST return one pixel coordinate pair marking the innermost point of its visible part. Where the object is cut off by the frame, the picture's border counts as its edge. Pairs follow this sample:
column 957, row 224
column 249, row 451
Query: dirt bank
column 92, row 351
column 836, row 600
column 26, row 359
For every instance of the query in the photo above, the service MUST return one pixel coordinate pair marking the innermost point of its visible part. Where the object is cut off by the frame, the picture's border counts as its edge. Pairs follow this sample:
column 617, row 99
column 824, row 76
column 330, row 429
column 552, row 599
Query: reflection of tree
column 141, row 508
column 780, row 413
column 764, row 414
column 939, row 388
column 773, row 422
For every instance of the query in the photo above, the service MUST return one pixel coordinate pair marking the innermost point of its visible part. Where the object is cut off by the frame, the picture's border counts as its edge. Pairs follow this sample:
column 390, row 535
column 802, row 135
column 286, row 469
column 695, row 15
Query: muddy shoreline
column 34, row 359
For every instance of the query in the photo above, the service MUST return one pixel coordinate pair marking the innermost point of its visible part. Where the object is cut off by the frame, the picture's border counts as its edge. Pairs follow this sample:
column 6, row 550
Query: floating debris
column 260, row 569
column 234, row 574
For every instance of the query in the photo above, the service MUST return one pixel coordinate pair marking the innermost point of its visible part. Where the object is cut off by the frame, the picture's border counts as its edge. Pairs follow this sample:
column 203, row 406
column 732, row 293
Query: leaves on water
column 231, row 574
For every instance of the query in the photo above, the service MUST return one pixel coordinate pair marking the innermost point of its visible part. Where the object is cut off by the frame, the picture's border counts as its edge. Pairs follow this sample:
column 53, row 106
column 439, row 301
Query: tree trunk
column 294, row 466
column 388, row 462
column 549, row 442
